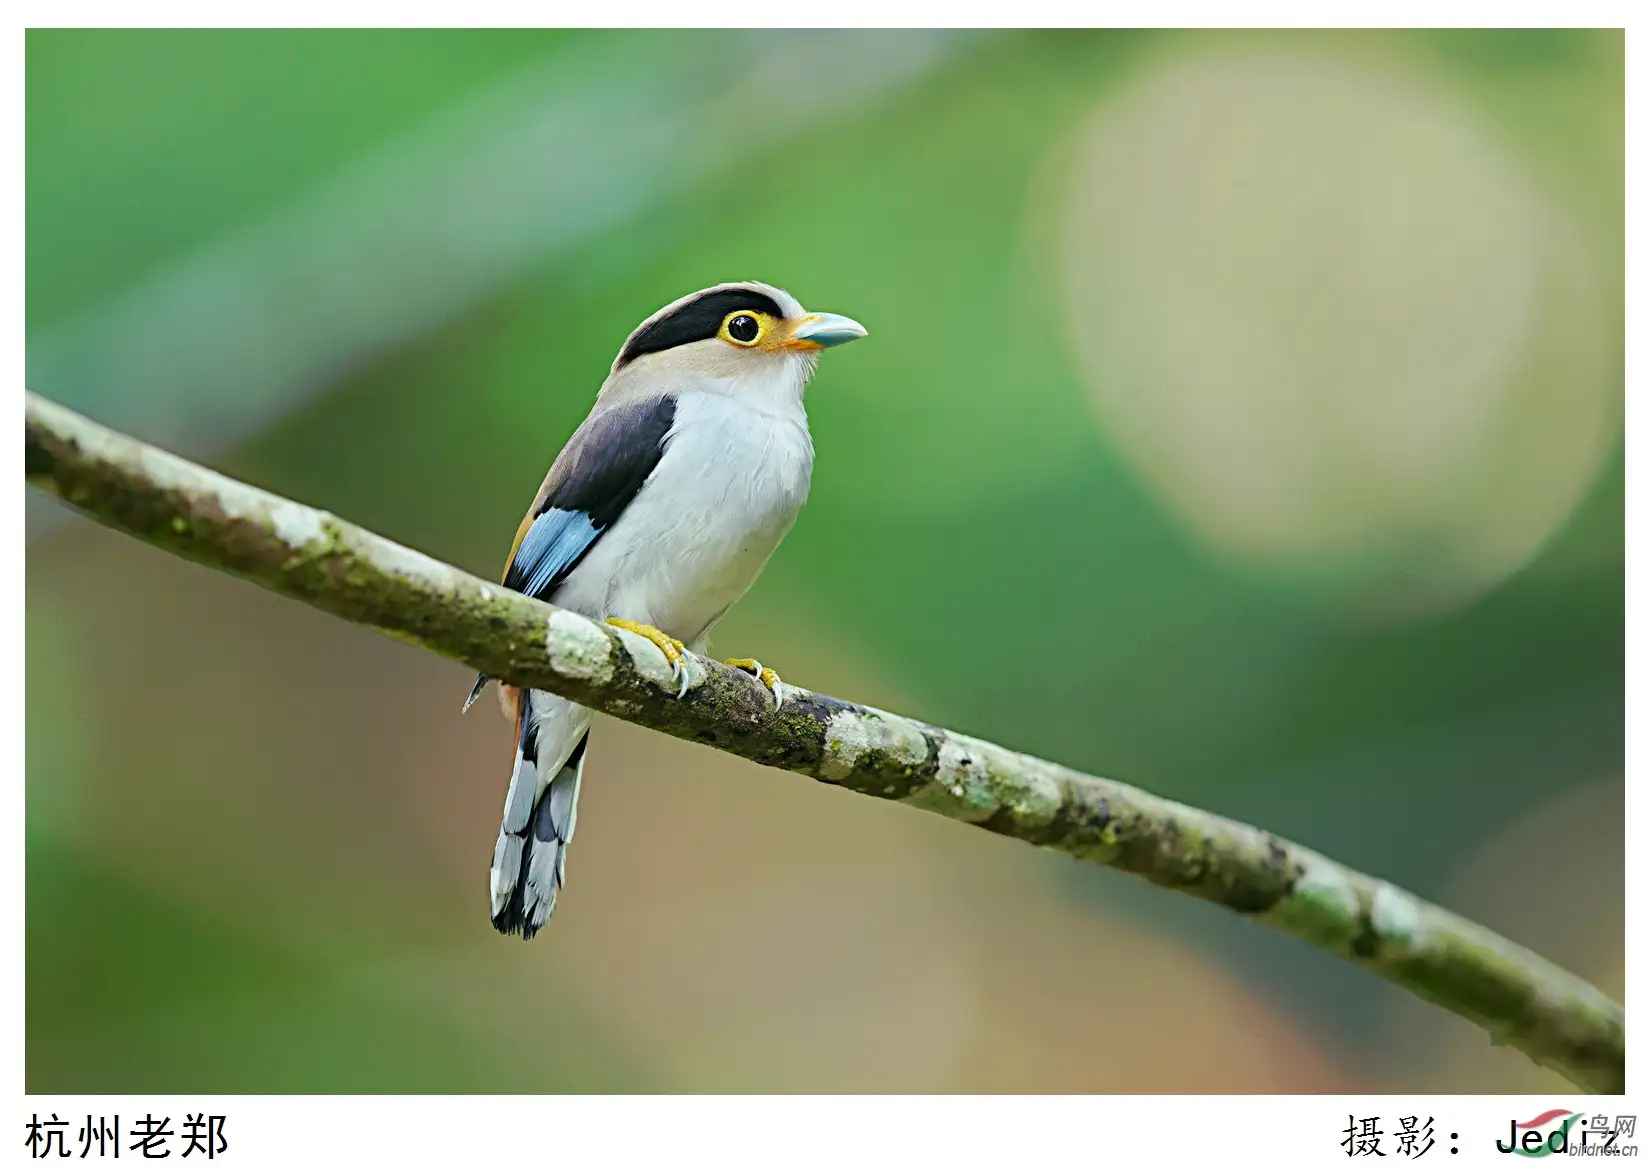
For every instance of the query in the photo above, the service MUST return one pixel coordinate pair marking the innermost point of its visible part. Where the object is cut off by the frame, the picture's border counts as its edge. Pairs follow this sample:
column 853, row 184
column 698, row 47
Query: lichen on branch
column 1523, row 1000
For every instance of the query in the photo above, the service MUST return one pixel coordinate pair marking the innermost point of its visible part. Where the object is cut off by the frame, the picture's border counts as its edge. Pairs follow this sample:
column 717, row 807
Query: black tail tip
column 513, row 919
column 508, row 926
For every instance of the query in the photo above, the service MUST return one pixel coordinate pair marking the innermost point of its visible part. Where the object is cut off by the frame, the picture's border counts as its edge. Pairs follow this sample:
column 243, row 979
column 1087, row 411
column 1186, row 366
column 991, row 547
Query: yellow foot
column 767, row 676
column 674, row 650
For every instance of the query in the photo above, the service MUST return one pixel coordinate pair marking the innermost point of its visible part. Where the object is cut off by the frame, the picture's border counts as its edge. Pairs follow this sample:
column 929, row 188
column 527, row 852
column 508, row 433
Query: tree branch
column 1523, row 1000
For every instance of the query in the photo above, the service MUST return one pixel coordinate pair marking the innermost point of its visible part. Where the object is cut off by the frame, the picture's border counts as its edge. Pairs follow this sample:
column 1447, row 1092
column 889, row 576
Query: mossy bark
column 1523, row 1000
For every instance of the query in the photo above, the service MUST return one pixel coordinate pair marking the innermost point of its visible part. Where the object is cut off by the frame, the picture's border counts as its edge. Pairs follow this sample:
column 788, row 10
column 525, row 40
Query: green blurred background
column 1241, row 417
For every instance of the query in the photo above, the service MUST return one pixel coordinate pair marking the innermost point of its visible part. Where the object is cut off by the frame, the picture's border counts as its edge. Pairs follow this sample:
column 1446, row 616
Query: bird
column 657, row 516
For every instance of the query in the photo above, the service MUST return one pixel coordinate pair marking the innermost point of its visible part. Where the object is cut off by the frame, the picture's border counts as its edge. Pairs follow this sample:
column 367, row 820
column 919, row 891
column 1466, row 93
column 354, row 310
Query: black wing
column 597, row 475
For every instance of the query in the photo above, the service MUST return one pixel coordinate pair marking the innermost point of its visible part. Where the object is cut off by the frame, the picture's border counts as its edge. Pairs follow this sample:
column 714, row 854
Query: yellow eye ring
column 744, row 328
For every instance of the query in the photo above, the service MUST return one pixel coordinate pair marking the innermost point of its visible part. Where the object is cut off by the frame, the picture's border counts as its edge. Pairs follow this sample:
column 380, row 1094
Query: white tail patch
column 530, row 857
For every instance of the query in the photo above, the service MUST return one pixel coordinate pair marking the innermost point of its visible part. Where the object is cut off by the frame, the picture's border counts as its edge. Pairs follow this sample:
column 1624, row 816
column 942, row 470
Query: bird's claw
column 674, row 650
column 756, row 669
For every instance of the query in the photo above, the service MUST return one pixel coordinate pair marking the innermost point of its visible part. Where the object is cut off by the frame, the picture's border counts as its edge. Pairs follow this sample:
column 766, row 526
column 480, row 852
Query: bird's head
column 745, row 337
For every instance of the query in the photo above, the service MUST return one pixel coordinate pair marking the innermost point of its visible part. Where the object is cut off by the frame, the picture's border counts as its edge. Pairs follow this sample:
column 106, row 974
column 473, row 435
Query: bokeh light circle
column 1332, row 323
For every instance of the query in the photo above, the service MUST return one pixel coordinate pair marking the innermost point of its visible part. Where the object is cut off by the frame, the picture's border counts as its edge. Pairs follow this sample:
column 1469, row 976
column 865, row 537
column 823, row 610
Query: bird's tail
column 530, row 857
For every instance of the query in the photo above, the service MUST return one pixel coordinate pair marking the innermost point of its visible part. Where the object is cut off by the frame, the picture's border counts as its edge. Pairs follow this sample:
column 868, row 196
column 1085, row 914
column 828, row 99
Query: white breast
column 701, row 529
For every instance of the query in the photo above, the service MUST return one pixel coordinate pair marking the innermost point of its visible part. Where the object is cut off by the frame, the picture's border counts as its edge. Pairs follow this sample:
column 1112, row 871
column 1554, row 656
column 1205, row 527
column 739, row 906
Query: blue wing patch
column 552, row 545
column 591, row 483
column 556, row 540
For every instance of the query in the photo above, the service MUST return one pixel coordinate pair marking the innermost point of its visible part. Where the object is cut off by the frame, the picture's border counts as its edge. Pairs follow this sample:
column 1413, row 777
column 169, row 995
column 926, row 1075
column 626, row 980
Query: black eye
column 744, row 328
